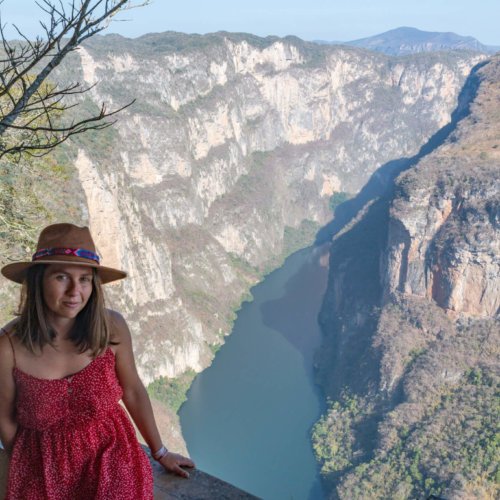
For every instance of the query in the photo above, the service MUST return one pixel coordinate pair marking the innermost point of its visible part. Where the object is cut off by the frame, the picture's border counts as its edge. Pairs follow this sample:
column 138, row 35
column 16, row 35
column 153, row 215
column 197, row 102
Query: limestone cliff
column 443, row 242
column 232, row 140
column 411, row 324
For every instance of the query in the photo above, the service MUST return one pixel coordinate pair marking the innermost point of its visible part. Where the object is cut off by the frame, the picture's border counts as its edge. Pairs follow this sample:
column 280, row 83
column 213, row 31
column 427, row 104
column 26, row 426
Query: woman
column 65, row 362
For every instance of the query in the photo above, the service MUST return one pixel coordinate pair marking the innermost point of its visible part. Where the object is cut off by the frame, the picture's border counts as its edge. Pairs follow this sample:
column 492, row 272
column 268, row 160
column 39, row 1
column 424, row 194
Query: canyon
column 234, row 146
column 233, row 156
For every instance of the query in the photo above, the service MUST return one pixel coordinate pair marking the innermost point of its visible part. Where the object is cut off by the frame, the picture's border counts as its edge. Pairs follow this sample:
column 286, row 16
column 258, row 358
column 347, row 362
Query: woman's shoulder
column 8, row 329
column 6, row 342
column 118, row 325
column 7, row 334
column 116, row 320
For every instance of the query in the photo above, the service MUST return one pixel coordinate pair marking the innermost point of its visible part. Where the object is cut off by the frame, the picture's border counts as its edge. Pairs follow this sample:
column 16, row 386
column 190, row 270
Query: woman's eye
column 86, row 279
column 60, row 277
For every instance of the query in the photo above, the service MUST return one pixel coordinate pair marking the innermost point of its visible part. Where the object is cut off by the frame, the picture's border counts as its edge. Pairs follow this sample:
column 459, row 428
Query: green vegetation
column 172, row 391
column 296, row 238
column 333, row 436
column 336, row 199
column 200, row 298
column 179, row 42
column 438, row 432
column 457, row 445
column 242, row 267
column 18, row 205
column 413, row 355
column 98, row 144
column 215, row 348
column 29, row 195
column 32, row 192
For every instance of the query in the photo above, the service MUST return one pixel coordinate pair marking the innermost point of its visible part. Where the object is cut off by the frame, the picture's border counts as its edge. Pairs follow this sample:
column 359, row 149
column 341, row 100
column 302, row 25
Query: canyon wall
column 227, row 162
column 411, row 324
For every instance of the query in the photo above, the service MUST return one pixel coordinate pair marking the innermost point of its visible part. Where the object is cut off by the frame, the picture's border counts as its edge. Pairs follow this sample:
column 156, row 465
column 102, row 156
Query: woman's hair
column 91, row 330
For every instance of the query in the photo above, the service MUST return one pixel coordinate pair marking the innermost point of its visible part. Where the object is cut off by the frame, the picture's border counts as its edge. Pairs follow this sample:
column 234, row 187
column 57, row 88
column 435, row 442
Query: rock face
column 411, row 322
column 232, row 140
column 442, row 243
column 443, row 234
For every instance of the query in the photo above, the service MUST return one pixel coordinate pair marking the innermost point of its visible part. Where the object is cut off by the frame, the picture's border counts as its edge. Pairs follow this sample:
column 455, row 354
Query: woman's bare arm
column 8, row 424
column 136, row 398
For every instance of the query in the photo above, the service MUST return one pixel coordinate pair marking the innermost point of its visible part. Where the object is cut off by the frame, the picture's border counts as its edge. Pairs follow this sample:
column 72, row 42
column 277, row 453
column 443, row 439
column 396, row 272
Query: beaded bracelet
column 158, row 455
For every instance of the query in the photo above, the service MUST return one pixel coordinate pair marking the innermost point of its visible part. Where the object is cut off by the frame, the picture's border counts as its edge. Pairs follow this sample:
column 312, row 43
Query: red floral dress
column 75, row 441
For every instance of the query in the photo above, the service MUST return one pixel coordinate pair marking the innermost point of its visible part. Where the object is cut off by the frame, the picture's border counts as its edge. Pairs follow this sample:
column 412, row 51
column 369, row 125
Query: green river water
column 248, row 416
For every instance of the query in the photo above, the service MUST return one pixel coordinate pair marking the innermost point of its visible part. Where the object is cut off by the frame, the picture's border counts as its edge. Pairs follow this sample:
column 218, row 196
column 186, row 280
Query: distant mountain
column 405, row 40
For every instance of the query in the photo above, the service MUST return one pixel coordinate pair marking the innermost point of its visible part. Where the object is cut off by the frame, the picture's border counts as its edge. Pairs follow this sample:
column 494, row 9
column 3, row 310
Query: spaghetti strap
column 11, row 344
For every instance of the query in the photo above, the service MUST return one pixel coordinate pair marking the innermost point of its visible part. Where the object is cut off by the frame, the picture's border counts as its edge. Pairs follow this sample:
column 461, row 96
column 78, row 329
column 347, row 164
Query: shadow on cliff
column 382, row 180
column 352, row 304
column 292, row 321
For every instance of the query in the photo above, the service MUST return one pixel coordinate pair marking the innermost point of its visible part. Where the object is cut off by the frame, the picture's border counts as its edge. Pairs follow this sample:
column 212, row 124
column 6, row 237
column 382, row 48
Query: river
column 248, row 416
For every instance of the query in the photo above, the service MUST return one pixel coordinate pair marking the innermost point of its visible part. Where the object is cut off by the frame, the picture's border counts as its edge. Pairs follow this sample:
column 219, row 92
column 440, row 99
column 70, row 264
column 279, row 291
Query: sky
column 331, row 20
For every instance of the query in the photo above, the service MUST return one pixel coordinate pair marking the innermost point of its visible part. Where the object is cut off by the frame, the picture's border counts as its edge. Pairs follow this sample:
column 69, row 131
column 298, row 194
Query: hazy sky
column 308, row 19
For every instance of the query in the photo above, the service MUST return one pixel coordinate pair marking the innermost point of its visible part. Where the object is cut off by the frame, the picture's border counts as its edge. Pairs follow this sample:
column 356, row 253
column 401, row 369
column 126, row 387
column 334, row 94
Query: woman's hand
column 173, row 462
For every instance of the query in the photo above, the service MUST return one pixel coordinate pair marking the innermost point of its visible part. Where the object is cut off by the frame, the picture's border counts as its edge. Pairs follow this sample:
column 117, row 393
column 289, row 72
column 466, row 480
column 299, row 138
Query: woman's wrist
column 160, row 453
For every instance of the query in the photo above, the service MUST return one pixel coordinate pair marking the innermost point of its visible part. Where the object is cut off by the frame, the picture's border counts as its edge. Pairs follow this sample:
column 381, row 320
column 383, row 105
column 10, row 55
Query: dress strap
column 11, row 344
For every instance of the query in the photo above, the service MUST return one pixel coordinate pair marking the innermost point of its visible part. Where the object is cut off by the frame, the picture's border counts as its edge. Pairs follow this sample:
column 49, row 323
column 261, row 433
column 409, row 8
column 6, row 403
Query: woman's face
column 66, row 289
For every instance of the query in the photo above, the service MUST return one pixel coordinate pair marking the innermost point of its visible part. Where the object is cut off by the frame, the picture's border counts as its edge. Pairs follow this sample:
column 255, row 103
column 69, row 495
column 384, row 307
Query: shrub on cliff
column 461, row 435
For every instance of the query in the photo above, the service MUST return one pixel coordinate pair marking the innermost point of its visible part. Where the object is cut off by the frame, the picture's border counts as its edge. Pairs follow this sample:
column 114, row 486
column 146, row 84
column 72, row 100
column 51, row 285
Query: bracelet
column 158, row 455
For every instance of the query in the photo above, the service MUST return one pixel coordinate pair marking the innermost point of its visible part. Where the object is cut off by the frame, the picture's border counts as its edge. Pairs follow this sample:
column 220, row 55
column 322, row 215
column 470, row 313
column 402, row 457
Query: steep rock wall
column 411, row 325
column 232, row 140
column 443, row 233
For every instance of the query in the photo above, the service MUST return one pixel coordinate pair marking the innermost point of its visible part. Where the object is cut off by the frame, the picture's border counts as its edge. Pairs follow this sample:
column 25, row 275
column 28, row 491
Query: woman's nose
column 72, row 287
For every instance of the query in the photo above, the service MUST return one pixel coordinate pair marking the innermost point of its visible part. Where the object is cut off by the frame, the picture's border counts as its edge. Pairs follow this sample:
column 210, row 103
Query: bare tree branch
column 30, row 105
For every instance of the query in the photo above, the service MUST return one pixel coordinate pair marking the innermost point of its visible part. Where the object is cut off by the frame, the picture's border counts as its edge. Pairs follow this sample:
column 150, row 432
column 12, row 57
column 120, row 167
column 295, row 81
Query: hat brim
column 17, row 271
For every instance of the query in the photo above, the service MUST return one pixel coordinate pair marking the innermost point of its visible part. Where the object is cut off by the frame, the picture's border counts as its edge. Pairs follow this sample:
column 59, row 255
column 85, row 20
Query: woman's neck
column 61, row 326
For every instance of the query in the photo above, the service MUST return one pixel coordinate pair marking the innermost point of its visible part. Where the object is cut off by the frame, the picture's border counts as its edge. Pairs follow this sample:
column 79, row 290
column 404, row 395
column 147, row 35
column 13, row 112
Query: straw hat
column 64, row 244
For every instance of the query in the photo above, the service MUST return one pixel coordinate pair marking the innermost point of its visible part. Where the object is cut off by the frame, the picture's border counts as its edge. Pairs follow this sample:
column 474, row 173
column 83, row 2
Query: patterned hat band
column 75, row 252
column 63, row 243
